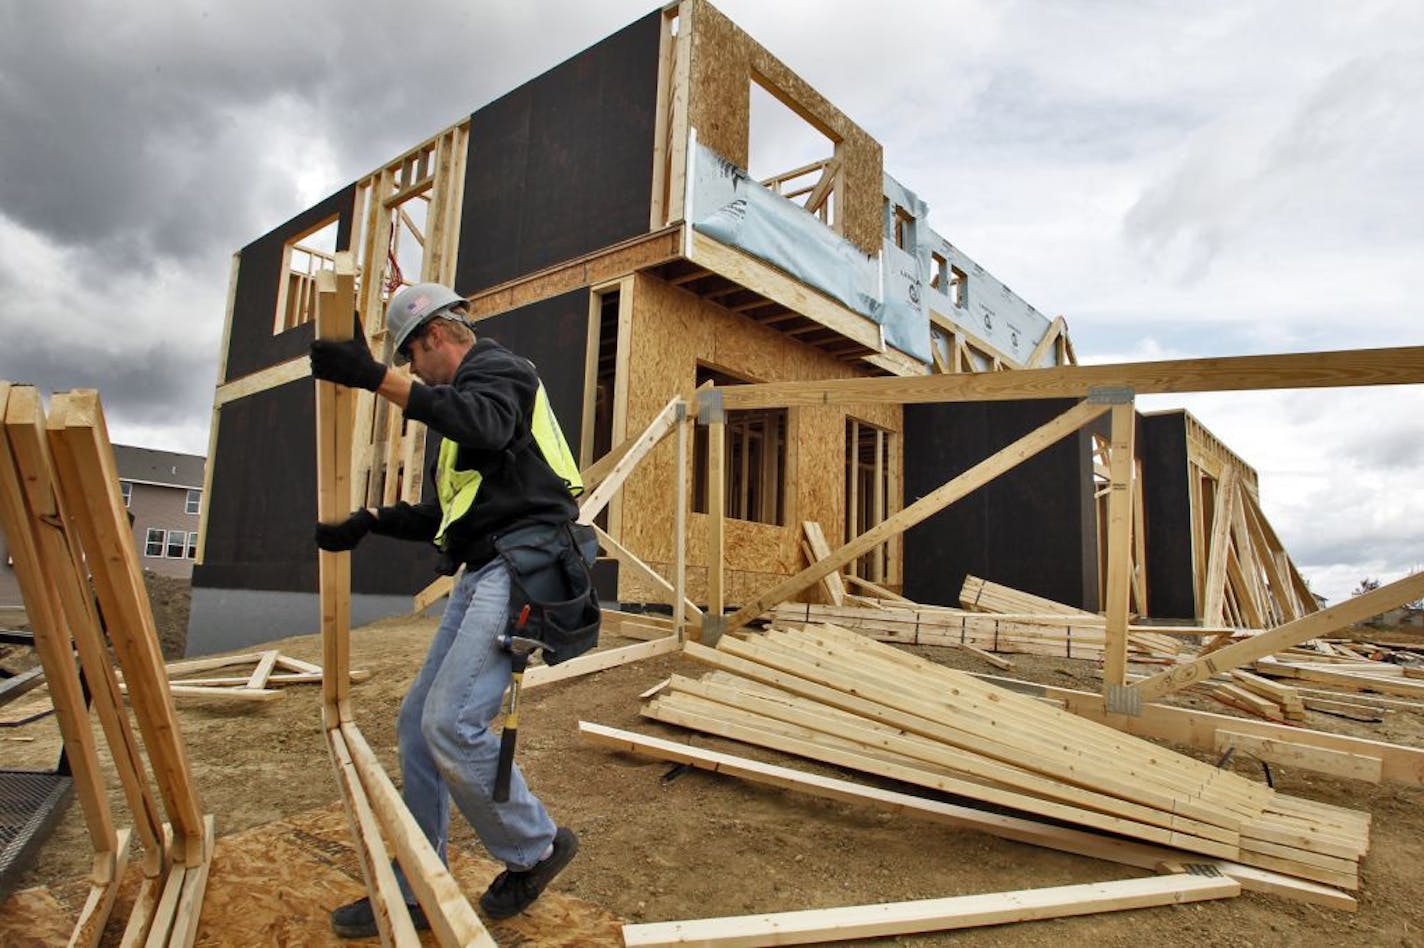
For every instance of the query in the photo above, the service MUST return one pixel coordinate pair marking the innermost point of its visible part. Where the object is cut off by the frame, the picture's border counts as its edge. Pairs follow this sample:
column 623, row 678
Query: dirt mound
column 171, row 598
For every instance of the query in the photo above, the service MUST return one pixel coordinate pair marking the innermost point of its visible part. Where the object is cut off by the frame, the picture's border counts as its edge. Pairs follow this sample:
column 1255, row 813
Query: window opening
column 194, row 502
column 405, row 254
column 790, row 154
column 606, row 373
column 904, row 229
column 126, row 488
column 867, row 484
column 598, row 441
column 958, row 287
column 302, row 258
column 153, row 542
column 754, row 459
column 192, row 545
column 939, row 271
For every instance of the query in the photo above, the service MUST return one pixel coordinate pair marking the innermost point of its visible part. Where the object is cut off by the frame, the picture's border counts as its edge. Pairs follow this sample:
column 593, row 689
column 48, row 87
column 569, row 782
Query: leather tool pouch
column 549, row 573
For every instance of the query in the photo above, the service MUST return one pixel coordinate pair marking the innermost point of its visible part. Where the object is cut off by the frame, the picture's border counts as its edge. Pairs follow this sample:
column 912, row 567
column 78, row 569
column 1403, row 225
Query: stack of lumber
column 828, row 694
column 1331, row 683
column 908, row 623
column 980, row 595
column 1261, row 697
column 1379, row 677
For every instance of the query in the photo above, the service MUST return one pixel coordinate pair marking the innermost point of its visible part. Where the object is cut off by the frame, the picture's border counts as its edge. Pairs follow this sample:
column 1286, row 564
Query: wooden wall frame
column 63, row 517
column 373, row 805
column 1103, row 383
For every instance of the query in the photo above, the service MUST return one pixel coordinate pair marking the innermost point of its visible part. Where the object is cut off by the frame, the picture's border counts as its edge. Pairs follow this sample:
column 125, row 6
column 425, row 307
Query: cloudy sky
column 1176, row 179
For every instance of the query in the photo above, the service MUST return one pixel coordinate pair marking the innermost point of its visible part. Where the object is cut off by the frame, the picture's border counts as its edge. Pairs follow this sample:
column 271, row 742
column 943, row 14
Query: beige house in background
column 163, row 491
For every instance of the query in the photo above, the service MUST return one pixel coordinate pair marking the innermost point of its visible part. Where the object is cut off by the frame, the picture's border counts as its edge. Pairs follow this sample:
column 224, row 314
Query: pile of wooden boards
column 1259, row 696
column 68, row 534
column 829, row 694
column 996, row 619
column 1360, row 681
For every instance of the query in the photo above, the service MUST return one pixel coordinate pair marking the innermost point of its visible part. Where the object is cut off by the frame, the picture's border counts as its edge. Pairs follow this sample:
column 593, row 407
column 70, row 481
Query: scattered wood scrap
column 1352, row 678
column 260, row 684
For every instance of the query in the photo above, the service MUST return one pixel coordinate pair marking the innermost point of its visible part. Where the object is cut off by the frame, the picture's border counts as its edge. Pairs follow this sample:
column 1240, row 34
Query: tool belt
column 549, row 573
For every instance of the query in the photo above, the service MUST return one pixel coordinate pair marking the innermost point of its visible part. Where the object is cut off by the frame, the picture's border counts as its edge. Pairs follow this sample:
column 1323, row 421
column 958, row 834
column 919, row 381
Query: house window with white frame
column 192, row 544
column 177, row 544
column 153, row 543
column 126, row 488
column 194, row 502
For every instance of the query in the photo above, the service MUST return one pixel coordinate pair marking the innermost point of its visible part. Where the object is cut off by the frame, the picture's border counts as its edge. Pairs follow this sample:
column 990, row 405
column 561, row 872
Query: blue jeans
column 447, row 750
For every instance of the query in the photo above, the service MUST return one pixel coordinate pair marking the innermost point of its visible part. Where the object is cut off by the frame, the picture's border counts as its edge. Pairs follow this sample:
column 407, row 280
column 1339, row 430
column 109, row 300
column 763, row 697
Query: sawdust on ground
column 659, row 847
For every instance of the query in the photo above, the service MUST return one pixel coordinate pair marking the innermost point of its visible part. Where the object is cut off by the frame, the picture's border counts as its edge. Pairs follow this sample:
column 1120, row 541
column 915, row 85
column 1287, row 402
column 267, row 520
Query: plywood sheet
column 672, row 332
column 261, row 514
column 724, row 58
column 277, row 884
column 1030, row 528
column 562, row 166
column 1167, row 505
column 251, row 345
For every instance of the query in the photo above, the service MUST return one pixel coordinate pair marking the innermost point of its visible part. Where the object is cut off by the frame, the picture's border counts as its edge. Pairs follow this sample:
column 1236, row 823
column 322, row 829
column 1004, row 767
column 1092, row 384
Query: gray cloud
column 158, row 131
column 1204, row 180
column 153, row 385
column 1344, row 149
column 142, row 147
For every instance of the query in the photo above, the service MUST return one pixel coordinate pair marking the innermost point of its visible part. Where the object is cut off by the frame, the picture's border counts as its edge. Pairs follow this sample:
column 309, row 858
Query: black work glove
column 347, row 363
column 339, row 537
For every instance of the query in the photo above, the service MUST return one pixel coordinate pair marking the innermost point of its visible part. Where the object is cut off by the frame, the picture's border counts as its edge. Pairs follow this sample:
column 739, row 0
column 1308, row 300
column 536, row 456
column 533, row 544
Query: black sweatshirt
column 486, row 410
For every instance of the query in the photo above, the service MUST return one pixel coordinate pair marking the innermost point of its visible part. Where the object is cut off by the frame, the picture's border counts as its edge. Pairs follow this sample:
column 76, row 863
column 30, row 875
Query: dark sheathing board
column 264, row 506
column 1167, row 506
column 264, row 474
column 1032, row 528
column 563, row 165
column 251, row 345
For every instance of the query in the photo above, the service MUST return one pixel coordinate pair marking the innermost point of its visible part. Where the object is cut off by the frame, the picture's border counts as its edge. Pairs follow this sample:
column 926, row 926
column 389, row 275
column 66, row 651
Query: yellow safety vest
column 457, row 489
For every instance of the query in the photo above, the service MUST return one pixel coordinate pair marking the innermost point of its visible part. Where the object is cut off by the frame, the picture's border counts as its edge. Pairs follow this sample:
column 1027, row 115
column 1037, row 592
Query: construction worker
column 504, row 472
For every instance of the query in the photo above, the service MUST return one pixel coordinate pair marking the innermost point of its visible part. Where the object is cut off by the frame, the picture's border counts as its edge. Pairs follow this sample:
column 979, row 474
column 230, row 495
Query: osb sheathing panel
column 672, row 332
column 615, row 262
column 277, row 884
column 724, row 59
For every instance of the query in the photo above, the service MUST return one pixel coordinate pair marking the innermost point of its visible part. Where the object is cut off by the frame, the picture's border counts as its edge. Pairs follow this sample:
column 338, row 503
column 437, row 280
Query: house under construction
column 601, row 222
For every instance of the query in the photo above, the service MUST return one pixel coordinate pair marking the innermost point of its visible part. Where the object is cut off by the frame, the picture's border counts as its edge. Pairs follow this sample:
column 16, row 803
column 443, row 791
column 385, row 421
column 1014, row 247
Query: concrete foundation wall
column 224, row 620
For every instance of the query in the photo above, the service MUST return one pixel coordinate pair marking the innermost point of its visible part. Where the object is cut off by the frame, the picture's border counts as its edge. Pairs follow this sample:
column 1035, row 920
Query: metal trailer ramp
column 31, row 803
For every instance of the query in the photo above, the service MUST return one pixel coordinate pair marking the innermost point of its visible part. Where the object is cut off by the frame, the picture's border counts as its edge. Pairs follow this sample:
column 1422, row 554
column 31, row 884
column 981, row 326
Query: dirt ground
column 170, row 597
column 658, row 847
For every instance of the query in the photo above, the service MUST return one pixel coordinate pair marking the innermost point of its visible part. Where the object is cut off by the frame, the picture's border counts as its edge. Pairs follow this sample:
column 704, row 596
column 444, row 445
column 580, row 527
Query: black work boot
column 358, row 920
column 513, row 891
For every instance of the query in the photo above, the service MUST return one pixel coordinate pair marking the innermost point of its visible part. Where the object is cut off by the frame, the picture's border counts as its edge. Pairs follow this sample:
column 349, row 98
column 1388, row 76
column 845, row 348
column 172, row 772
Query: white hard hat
column 413, row 306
